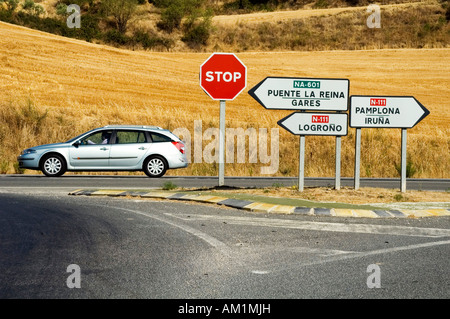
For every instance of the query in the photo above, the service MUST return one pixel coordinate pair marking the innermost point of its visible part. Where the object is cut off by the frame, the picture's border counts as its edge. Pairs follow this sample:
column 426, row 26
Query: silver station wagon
column 111, row 148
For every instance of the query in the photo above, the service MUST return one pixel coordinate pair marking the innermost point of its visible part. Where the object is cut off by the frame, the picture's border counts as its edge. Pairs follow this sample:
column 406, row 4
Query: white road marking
column 222, row 247
column 287, row 267
column 330, row 255
column 322, row 226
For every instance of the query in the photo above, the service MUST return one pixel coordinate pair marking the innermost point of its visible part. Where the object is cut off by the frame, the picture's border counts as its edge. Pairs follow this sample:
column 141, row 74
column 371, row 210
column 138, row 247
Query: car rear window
column 158, row 138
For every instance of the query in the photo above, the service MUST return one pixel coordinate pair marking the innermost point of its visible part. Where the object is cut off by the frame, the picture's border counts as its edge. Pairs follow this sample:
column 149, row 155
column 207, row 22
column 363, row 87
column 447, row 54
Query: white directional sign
column 326, row 124
column 385, row 111
column 285, row 93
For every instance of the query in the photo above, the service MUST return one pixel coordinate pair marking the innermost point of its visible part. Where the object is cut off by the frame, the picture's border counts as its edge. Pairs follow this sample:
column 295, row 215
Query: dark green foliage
column 121, row 12
column 152, row 41
column 197, row 26
column 116, row 37
column 252, row 5
column 171, row 17
column 11, row 5
column 352, row 2
column 89, row 28
column 197, row 30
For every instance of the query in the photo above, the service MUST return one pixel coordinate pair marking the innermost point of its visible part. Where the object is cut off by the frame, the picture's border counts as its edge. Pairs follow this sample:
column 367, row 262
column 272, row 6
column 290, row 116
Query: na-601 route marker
column 312, row 94
column 384, row 112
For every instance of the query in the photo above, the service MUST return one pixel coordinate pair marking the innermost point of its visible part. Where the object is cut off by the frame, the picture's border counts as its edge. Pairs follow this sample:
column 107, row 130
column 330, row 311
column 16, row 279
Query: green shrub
column 28, row 4
column 11, row 5
column 171, row 17
column 29, row 115
column 4, row 167
column 151, row 41
column 89, row 28
column 61, row 9
column 17, row 169
column 411, row 169
column 320, row 4
column 169, row 186
column 114, row 36
column 197, row 31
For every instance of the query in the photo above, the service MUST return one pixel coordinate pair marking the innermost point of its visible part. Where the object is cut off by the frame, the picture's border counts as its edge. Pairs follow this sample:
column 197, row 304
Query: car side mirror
column 77, row 143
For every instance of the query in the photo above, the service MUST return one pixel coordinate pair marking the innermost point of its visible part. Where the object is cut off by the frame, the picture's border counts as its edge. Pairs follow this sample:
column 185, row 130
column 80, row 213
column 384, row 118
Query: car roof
column 143, row 127
column 134, row 127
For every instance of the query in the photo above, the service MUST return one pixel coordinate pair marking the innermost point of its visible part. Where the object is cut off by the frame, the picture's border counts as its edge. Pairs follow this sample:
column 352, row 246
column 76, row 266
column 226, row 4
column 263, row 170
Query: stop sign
column 223, row 76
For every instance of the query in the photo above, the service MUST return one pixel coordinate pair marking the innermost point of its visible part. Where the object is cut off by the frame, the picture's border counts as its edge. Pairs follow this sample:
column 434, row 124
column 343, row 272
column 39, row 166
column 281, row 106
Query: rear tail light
column 179, row 146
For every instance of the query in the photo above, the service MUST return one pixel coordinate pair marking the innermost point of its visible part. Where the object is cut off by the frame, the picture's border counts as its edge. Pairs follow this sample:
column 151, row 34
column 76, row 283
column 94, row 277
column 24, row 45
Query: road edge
column 268, row 208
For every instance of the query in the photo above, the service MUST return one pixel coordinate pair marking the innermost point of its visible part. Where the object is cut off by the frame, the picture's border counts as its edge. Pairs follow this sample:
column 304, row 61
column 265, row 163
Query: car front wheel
column 155, row 166
column 53, row 165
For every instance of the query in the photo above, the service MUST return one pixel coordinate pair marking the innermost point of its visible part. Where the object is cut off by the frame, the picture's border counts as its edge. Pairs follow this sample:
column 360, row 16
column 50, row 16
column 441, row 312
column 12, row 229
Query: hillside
column 419, row 24
column 307, row 12
column 52, row 88
column 260, row 25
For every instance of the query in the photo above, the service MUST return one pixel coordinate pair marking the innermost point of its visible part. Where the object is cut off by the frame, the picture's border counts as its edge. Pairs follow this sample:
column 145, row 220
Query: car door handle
column 104, row 149
column 142, row 148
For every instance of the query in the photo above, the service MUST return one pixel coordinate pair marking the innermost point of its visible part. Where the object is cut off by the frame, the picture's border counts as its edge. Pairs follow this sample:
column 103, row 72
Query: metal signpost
column 322, row 124
column 223, row 77
column 308, row 94
column 384, row 112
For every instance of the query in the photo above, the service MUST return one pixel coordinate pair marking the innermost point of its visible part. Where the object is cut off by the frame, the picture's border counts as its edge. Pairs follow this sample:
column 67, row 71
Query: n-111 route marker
column 384, row 112
column 324, row 124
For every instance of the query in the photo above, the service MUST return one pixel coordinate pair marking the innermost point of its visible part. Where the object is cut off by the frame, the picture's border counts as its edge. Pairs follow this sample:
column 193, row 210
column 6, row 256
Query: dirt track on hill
column 302, row 13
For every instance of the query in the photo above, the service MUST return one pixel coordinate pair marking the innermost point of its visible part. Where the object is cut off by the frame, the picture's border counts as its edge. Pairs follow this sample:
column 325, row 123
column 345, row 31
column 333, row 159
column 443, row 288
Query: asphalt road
column 72, row 182
column 145, row 249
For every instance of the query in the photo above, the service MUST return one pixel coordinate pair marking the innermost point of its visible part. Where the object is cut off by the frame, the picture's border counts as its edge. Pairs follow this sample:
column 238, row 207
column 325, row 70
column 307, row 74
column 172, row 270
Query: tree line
column 109, row 21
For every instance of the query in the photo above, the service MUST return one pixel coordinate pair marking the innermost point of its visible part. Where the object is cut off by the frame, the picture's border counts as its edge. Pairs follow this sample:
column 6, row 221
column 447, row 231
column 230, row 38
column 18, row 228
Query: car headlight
column 28, row 151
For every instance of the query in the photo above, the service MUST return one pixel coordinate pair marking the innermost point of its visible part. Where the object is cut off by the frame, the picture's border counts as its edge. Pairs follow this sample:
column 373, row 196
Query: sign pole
column 223, row 77
column 222, row 143
column 301, row 165
column 337, row 183
column 357, row 157
column 403, row 159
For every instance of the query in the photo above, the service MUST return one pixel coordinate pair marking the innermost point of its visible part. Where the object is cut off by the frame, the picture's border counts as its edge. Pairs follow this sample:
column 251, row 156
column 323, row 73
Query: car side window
column 130, row 137
column 102, row 137
column 159, row 138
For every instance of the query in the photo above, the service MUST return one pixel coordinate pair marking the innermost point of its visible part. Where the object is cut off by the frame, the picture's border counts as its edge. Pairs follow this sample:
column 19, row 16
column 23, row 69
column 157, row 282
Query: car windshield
column 77, row 137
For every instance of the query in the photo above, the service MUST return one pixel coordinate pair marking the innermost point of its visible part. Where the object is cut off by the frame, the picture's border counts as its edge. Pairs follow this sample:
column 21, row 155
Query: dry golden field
column 53, row 88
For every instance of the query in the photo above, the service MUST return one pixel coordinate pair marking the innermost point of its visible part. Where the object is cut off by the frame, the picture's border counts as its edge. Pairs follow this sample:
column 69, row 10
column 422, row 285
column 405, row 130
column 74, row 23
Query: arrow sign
column 285, row 93
column 325, row 124
column 386, row 111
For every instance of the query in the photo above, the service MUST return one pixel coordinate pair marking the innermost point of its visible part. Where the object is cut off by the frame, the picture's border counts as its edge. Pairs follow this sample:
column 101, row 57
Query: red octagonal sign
column 223, row 76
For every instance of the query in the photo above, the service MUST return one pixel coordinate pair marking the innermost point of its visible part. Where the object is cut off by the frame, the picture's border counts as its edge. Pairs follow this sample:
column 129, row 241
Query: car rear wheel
column 53, row 165
column 155, row 166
